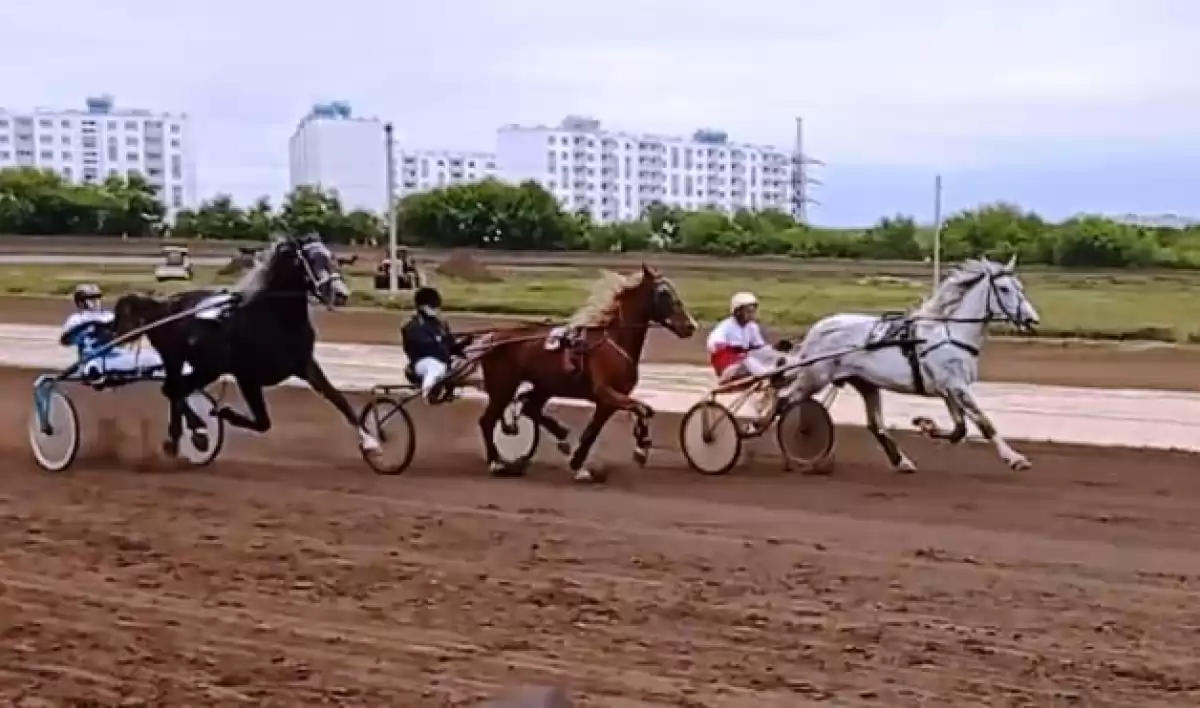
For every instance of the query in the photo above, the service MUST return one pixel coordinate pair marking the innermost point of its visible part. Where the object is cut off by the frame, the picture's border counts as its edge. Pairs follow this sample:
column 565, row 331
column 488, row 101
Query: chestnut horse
column 607, row 336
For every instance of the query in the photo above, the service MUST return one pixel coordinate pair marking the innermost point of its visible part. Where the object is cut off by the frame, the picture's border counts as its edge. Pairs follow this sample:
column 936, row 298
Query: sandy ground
column 288, row 574
column 1133, row 365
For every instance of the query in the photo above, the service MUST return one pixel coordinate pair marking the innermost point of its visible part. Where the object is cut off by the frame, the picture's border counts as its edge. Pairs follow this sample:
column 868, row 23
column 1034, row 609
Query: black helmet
column 427, row 297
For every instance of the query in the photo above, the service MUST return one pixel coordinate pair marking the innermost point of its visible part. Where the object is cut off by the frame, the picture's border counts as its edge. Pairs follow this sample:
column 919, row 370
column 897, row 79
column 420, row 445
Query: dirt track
column 1135, row 365
column 289, row 575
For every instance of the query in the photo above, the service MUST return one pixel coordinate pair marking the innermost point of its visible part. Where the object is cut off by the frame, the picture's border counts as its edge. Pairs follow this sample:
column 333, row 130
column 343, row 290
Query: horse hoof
column 170, row 448
column 640, row 455
column 925, row 425
column 586, row 476
column 200, row 440
column 503, row 471
column 906, row 466
column 1019, row 464
column 564, row 446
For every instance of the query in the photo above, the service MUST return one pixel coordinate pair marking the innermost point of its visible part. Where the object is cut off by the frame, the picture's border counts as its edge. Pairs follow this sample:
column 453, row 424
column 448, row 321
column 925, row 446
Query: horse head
column 995, row 291
column 655, row 299
column 305, row 264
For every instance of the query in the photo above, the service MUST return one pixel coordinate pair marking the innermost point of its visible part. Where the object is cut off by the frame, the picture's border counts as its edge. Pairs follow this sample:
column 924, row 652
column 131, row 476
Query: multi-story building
column 86, row 146
column 334, row 150
column 615, row 176
column 423, row 170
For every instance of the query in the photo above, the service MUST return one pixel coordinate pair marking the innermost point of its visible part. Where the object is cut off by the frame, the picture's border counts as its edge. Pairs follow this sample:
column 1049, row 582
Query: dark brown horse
column 609, row 333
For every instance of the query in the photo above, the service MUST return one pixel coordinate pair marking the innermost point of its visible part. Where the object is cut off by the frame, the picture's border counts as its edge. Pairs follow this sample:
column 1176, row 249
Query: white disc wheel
column 54, row 441
column 205, row 406
column 805, row 433
column 516, row 437
column 385, row 419
column 709, row 438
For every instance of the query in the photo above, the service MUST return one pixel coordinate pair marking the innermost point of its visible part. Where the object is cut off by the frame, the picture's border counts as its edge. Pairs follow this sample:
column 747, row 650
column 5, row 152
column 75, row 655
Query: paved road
column 1094, row 416
column 85, row 259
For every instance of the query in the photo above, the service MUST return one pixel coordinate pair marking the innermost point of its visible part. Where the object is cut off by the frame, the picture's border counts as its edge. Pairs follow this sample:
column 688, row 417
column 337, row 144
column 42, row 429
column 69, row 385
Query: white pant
column 429, row 371
column 128, row 361
column 756, row 363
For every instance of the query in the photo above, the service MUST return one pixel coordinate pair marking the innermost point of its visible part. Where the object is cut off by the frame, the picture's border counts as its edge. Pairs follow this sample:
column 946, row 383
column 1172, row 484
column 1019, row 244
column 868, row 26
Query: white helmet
column 742, row 300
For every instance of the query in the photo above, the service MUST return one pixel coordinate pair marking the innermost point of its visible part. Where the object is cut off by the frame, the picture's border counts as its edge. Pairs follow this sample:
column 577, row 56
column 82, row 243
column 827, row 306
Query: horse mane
column 603, row 302
column 255, row 279
column 946, row 300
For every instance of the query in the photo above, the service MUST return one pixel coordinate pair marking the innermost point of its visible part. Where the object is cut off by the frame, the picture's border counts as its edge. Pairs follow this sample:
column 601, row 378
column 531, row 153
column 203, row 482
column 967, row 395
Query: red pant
column 725, row 357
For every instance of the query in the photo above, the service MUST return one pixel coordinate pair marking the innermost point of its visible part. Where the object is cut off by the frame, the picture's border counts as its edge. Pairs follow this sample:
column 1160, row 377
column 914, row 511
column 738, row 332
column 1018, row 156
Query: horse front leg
column 587, row 439
column 1011, row 457
column 534, row 406
column 171, row 387
column 955, row 435
column 315, row 376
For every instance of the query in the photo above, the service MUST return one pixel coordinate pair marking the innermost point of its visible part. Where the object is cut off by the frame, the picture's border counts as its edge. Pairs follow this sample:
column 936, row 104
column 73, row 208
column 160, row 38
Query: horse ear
column 1012, row 264
column 646, row 270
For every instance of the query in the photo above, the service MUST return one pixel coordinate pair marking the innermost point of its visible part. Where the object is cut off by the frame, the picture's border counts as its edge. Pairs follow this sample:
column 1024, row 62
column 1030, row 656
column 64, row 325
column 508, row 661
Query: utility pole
column 393, row 275
column 801, row 180
column 937, row 231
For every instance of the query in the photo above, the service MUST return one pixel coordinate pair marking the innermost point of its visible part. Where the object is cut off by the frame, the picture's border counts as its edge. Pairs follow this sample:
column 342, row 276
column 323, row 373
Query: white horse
column 932, row 352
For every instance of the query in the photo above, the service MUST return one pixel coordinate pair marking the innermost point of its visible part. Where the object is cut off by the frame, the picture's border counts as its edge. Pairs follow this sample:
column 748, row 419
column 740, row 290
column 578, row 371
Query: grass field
column 1162, row 307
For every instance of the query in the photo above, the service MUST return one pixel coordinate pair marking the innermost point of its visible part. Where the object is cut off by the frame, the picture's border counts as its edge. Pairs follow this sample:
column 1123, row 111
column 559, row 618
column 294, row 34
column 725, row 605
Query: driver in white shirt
column 736, row 346
column 89, row 328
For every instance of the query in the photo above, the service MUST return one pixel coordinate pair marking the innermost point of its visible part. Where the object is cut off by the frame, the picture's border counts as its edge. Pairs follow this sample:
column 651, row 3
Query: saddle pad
column 889, row 330
column 555, row 338
column 213, row 306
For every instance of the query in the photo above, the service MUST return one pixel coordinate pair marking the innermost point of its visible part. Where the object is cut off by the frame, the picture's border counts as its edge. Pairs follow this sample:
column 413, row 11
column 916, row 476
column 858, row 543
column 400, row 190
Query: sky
column 1062, row 106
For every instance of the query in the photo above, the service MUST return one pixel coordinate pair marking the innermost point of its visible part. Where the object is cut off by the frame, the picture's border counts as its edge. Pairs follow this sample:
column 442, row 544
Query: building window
column 131, row 141
column 45, row 139
column 112, row 153
column 174, row 128
column 131, row 125
column 177, row 196
column 112, row 125
column 45, row 123
column 68, row 173
column 66, row 155
column 131, row 156
column 176, row 167
column 5, row 155
column 46, row 155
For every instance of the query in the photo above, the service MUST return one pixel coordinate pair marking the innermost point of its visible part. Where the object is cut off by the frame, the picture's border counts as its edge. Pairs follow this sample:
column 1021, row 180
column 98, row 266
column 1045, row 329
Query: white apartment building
column 334, row 150
column 86, row 146
column 614, row 176
column 423, row 170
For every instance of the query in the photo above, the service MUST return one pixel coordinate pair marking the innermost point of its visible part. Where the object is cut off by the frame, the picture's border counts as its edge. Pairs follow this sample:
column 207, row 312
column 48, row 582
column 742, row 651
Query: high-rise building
column 615, row 176
column 423, row 170
column 334, row 150
column 86, row 146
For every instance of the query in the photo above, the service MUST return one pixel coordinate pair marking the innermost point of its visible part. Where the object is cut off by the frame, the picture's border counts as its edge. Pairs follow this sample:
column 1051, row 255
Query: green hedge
column 492, row 214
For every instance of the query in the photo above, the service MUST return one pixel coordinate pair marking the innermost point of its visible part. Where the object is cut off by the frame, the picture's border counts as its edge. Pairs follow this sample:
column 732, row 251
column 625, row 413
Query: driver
column 736, row 347
column 429, row 345
column 89, row 328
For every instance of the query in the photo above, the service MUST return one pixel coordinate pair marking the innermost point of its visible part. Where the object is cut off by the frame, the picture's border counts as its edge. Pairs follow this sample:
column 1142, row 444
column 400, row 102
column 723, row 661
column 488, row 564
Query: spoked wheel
column 385, row 418
column 805, row 433
column 54, row 434
column 204, row 406
column 709, row 438
column 516, row 437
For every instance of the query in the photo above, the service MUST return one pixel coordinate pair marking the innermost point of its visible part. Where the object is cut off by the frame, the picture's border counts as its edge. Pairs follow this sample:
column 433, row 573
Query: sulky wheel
column 805, row 433
column 709, row 438
column 53, row 429
column 385, row 418
column 516, row 437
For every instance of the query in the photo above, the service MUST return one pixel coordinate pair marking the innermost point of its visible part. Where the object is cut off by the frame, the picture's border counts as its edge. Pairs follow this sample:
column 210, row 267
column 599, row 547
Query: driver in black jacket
column 429, row 345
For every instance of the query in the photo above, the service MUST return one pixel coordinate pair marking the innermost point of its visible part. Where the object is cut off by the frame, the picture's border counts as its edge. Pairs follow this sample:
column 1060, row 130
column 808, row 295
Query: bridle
column 992, row 297
column 316, row 283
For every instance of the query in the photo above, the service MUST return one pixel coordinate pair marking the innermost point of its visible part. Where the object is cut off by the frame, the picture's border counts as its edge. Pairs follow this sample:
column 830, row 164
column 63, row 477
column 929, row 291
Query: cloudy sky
column 1061, row 105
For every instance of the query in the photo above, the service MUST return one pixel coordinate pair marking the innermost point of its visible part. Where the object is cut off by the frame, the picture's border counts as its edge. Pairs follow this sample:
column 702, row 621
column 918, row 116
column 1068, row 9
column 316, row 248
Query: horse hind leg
column 873, row 401
column 533, row 405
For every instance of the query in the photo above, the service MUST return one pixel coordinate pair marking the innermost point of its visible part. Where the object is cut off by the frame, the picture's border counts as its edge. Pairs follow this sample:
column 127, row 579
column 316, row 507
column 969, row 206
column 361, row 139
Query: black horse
column 259, row 333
